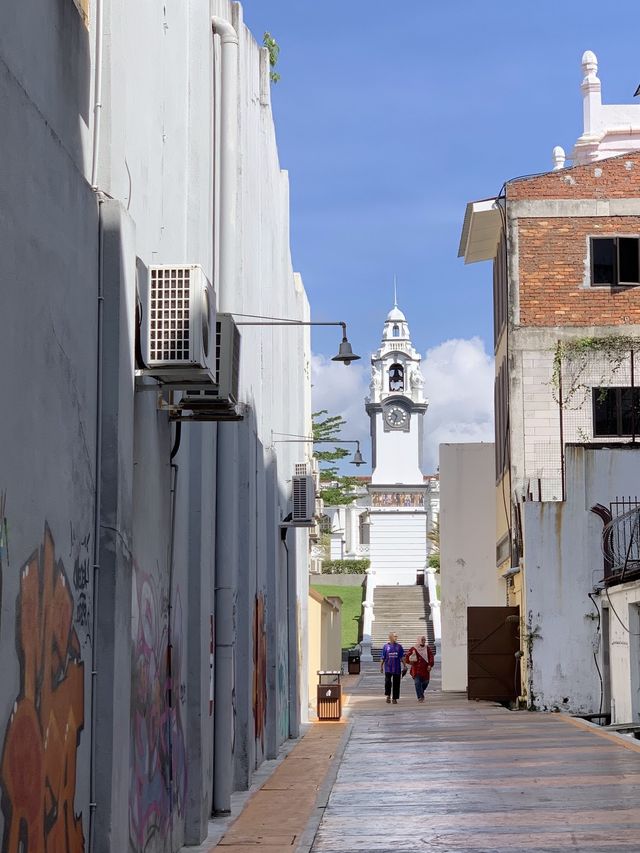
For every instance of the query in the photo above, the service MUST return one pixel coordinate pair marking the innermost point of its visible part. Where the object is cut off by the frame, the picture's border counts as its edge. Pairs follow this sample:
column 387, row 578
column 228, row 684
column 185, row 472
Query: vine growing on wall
column 572, row 359
column 274, row 52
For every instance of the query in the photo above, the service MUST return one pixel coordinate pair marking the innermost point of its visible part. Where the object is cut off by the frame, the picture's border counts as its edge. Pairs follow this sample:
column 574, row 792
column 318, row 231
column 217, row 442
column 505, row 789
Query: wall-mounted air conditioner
column 223, row 394
column 178, row 342
column 304, row 499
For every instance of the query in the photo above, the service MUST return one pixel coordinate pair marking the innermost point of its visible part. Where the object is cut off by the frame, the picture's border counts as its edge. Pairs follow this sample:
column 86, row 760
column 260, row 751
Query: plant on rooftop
column 274, row 52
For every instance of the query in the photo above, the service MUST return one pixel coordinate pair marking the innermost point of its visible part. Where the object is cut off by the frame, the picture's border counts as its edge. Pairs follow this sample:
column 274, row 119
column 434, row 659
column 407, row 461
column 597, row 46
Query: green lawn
column 351, row 609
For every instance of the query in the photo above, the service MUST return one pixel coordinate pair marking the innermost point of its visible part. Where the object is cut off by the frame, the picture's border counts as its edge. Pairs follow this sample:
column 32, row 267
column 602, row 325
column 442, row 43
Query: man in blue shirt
column 391, row 663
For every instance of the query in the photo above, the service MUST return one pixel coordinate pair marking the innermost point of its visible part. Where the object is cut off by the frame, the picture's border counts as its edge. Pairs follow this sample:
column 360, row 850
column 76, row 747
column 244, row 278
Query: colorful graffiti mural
column 158, row 786
column 38, row 765
column 259, row 670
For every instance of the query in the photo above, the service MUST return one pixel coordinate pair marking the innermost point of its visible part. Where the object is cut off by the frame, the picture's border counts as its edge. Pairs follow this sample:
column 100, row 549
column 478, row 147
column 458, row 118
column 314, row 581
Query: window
column 396, row 331
column 616, row 411
column 615, row 261
column 364, row 528
column 500, row 285
column 396, row 377
column 501, row 421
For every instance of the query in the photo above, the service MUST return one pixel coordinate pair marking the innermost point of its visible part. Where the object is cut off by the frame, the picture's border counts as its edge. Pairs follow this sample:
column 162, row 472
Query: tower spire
column 395, row 291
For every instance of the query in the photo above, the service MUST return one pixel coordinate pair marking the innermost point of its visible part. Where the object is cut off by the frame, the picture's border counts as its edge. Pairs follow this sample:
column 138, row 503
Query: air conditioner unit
column 304, row 499
column 179, row 340
column 223, row 395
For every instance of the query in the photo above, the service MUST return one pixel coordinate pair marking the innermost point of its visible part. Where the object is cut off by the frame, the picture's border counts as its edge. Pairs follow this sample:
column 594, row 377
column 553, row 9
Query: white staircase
column 405, row 610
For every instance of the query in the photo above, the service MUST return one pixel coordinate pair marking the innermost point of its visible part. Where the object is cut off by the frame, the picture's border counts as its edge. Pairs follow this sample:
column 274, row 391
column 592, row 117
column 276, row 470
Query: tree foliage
column 335, row 489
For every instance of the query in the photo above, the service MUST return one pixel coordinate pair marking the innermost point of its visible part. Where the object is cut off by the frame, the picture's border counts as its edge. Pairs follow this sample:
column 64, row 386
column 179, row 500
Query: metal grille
column 170, row 314
column 300, row 468
column 621, row 539
column 300, row 488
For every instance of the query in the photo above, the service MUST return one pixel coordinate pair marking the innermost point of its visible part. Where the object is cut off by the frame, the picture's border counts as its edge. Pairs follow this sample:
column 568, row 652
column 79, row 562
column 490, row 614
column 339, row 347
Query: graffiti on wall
column 259, row 669
column 79, row 553
column 158, row 785
column 38, row 765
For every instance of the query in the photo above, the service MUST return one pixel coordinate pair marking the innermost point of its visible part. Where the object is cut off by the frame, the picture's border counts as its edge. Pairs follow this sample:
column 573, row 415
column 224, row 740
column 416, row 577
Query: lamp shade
column 357, row 458
column 345, row 353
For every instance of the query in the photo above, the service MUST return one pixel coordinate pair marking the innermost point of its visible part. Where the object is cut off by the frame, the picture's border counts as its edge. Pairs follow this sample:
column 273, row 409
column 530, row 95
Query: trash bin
column 329, row 695
column 353, row 662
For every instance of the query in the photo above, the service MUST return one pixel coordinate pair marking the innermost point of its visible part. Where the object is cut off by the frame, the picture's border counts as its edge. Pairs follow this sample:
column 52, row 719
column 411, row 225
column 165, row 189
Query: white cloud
column 341, row 391
column 459, row 377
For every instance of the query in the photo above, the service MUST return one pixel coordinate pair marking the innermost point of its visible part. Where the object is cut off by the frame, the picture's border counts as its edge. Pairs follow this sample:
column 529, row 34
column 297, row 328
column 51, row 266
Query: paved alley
column 451, row 775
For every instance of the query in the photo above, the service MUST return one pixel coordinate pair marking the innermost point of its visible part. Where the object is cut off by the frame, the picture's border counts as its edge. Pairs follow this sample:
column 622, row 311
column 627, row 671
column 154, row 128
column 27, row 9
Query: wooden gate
column 492, row 643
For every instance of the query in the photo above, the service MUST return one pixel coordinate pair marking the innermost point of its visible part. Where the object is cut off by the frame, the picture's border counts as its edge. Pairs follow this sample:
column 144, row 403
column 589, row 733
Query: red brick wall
column 616, row 181
column 552, row 255
column 553, row 252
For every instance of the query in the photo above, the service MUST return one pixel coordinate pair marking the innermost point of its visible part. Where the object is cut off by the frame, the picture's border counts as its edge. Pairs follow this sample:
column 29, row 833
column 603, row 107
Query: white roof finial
column 395, row 291
column 558, row 157
column 589, row 63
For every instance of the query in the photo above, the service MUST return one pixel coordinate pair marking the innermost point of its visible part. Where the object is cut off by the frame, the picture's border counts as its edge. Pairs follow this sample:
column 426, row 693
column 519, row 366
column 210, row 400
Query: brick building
column 565, row 248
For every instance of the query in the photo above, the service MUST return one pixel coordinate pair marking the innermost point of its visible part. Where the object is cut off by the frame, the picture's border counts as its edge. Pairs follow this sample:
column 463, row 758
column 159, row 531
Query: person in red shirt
column 420, row 659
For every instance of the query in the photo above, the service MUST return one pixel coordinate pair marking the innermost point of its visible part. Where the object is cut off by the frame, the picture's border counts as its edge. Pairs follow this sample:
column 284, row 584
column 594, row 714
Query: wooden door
column 493, row 642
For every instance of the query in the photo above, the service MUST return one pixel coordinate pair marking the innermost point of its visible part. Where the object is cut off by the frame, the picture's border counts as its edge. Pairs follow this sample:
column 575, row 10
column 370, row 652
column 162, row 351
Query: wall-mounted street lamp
column 300, row 439
column 345, row 353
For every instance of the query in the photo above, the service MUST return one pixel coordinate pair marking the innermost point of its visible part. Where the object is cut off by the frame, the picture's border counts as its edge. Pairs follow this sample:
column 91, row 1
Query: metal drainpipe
column 96, row 538
column 226, row 510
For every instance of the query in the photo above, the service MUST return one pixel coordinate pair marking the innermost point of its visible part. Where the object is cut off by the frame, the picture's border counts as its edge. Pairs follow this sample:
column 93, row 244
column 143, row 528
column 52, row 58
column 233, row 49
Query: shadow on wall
column 38, row 766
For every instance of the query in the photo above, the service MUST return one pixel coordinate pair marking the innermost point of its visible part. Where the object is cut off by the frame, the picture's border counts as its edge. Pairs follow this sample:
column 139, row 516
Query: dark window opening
column 629, row 260
column 615, row 261
column 500, row 285
column 364, row 529
column 396, row 331
column 616, row 411
column 396, row 377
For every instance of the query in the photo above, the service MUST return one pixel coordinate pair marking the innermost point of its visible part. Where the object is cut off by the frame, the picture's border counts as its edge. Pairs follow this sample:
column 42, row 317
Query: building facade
column 565, row 248
column 152, row 609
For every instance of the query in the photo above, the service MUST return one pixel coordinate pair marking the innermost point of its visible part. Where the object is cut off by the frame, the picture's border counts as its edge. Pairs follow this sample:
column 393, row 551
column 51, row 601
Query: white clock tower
column 397, row 406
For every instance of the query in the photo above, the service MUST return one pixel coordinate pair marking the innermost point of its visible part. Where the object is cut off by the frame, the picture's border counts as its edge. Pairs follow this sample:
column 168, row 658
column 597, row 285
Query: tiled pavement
column 453, row 776
column 446, row 776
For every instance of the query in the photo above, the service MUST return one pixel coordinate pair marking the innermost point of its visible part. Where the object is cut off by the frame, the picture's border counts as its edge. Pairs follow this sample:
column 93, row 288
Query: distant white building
column 398, row 505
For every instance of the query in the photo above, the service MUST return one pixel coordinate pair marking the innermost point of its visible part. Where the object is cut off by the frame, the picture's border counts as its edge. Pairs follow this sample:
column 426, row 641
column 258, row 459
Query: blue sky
column 389, row 122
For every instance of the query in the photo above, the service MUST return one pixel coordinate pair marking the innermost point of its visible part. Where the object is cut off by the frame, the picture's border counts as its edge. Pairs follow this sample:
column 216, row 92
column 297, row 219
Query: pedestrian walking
column 392, row 664
column 420, row 659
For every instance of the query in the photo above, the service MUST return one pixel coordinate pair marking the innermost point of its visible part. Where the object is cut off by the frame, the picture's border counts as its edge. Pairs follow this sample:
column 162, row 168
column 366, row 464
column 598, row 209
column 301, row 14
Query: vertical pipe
column 561, row 421
column 97, row 93
column 227, row 532
column 96, row 535
column 633, row 403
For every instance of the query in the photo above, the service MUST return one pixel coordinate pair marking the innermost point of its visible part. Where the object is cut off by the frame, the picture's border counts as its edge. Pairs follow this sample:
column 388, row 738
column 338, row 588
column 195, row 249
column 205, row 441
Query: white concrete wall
column 398, row 545
column 534, row 404
column 621, row 609
column 157, row 166
column 397, row 453
column 468, row 575
column 563, row 564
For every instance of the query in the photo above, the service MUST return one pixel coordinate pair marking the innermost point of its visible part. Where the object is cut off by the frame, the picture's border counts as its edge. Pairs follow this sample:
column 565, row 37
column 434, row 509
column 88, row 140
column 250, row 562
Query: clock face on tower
column 396, row 417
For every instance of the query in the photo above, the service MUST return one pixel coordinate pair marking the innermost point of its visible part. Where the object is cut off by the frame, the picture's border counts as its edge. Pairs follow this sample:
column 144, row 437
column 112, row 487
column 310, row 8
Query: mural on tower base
column 397, row 499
